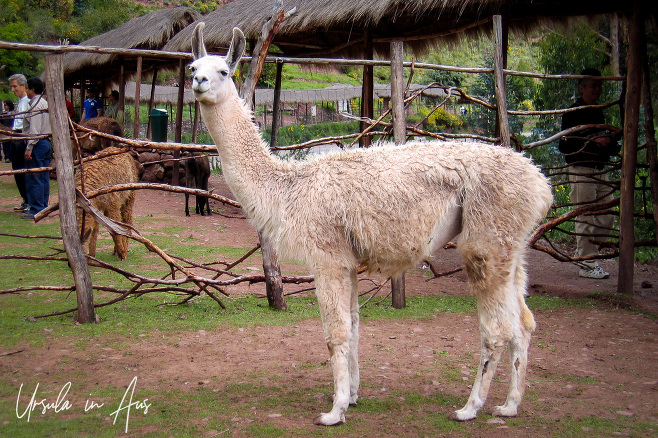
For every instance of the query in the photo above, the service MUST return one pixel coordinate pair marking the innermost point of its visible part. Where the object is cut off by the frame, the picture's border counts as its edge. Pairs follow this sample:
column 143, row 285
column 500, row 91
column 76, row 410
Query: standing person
column 587, row 153
column 70, row 109
column 38, row 152
column 18, row 84
column 7, row 121
column 113, row 106
column 92, row 106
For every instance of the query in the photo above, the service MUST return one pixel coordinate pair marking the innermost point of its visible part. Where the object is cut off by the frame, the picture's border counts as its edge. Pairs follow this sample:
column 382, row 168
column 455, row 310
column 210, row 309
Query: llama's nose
column 200, row 83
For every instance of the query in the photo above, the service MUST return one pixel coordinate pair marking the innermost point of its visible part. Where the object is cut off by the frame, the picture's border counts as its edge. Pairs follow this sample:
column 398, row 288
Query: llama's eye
column 191, row 68
column 224, row 73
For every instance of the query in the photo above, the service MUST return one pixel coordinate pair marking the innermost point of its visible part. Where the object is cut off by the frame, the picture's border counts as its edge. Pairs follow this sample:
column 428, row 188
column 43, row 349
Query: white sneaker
column 597, row 273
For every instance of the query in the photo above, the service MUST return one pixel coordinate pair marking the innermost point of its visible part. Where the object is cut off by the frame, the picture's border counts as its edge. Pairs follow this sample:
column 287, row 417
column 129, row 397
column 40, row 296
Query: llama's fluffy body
column 388, row 207
column 104, row 172
column 348, row 203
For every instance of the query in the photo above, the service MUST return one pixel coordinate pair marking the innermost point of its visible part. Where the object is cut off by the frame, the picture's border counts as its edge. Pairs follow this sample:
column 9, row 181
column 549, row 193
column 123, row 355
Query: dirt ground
column 584, row 361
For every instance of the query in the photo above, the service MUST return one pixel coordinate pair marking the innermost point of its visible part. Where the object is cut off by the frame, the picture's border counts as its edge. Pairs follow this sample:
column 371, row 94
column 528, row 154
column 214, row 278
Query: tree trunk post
column 399, row 136
column 54, row 76
column 650, row 135
column 272, row 270
column 636, row 52
column 122, row 97
column 367, row 91
column 179, row 120
column 138, row 86
column 500, row 49
column 151, row 101
column 274, row 138
column 195, row 124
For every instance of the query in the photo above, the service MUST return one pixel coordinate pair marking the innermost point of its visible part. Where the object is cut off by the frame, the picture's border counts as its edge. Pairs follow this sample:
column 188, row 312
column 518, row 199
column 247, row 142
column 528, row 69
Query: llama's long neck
column 247, row 166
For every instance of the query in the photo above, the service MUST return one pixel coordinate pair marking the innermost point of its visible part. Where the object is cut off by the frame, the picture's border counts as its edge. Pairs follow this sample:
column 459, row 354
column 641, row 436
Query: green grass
column 296, row 78
column 148, row 314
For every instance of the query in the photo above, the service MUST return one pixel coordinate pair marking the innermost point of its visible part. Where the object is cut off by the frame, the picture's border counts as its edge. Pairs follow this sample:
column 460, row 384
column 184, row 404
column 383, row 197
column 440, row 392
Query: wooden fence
column 67, row 194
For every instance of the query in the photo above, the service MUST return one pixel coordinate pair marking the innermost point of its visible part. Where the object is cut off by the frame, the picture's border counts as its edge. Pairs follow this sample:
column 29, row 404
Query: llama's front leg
column 333, row 289
column 353, row 355
column 489, row 359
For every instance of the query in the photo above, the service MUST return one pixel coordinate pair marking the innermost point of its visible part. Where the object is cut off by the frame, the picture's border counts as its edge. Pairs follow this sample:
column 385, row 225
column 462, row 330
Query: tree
column 568, row 52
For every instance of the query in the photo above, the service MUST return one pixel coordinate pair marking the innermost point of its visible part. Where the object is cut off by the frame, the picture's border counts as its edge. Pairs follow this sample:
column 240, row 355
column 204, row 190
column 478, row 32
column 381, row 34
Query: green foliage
column 568, row 52
column 447, row 78
column 17, row 61
column 439, row 120
column 98, row 16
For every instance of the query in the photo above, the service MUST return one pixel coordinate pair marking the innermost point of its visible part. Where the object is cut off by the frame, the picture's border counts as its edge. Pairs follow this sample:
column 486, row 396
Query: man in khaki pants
column 587, row 152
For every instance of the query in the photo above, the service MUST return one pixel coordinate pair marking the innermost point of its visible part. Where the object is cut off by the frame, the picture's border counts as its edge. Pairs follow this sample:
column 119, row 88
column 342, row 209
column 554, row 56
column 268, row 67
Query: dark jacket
column 577, row 148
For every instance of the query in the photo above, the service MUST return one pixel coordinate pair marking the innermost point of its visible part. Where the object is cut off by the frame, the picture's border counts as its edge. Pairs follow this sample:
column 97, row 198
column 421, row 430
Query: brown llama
column 105, row 172
column 197, row 173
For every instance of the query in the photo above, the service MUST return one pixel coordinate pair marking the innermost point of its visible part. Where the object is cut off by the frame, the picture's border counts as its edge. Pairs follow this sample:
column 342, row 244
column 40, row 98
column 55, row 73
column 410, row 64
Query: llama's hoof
column 505, row 411
column 463, row 415
column 353, row 400
column 328, row 420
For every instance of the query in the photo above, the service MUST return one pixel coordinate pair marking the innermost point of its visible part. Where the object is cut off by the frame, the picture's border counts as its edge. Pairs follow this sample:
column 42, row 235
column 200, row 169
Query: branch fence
column 188, row 278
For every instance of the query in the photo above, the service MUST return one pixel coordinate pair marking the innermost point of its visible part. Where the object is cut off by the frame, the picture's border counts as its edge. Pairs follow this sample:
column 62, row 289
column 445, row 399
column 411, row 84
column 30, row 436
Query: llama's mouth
column 200, row 88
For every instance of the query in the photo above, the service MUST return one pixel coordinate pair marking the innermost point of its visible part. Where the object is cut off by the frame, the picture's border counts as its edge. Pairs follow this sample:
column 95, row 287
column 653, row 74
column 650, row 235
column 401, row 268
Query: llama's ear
column 235, row 50
column 198, row 45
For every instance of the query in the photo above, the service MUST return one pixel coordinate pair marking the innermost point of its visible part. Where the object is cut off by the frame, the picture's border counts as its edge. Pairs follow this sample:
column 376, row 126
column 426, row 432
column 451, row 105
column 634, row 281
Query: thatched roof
column 150, row 31
column 333, row 28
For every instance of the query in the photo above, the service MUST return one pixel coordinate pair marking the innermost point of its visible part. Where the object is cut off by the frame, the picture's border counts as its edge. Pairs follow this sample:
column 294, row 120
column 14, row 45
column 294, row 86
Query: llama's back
column 391, row 207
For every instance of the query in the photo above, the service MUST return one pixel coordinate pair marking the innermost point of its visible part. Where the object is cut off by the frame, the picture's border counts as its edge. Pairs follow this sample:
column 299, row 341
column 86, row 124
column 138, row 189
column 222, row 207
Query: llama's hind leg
column 353, row 355
column 490, row 278
column 518, row 351
column 489, row 358
column 333, row 289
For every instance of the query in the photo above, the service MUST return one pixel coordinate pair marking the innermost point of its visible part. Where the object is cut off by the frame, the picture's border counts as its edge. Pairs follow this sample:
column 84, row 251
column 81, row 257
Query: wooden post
column 151, row 100
column 83, row 91
column 367, row 91
column 195, row 125
column 54, row 75
column 397, row 92
column 614, row 43
column 636, row 51
column 650, row 136
column 500, row 49
column 122, row 97
column 399, row 136
column 271, row 267
column 138, row 86
column 179, row 119
column 272, row 270
column 275, row 105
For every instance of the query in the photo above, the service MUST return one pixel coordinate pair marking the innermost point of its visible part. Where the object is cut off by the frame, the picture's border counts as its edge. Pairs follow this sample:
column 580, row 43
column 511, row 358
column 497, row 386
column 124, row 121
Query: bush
column 439, row 120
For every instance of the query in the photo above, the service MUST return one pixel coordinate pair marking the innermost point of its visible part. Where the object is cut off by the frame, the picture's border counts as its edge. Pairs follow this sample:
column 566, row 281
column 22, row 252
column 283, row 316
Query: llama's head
column 212, row 75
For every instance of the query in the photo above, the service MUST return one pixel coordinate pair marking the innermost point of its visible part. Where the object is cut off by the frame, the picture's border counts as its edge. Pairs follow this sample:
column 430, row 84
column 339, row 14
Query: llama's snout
column 200, row 83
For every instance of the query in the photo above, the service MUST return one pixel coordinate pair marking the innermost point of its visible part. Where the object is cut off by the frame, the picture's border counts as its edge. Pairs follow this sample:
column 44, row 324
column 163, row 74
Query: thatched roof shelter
column 338, row 28
column 150, row 31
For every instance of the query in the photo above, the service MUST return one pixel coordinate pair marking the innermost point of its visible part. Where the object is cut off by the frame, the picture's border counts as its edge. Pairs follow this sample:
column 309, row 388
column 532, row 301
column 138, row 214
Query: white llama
column 388, row 208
